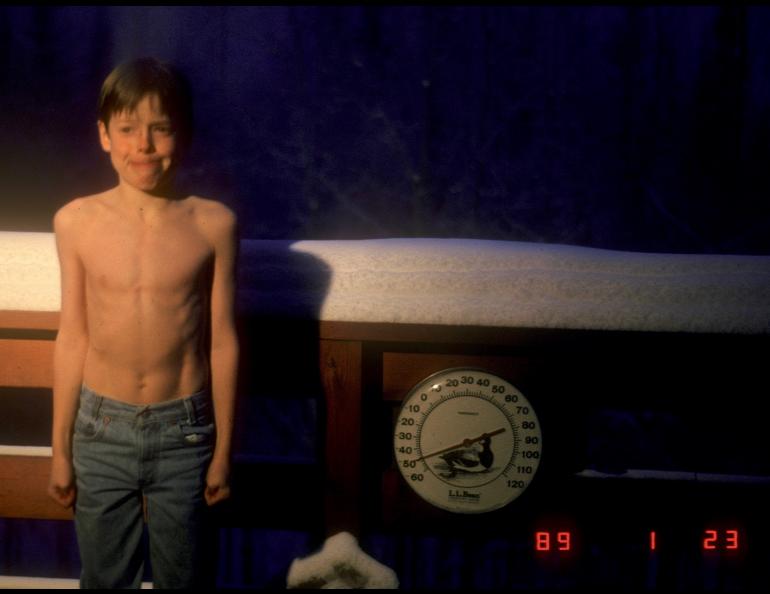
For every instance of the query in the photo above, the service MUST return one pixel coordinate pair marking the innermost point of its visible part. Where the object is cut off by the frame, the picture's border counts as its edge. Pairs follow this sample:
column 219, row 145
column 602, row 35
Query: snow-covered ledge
column 459, row 282
column 515, row 284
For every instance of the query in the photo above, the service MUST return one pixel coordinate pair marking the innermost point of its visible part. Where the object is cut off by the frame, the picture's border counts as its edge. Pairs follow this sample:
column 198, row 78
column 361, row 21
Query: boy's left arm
column 224, row 354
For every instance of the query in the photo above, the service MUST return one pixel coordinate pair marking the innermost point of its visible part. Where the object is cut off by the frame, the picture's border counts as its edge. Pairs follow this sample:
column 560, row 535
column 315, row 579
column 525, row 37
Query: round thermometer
column 467, row 441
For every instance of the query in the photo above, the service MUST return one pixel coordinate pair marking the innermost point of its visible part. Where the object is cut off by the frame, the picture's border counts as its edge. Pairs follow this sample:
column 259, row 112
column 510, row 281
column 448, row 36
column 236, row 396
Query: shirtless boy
column 146, row 355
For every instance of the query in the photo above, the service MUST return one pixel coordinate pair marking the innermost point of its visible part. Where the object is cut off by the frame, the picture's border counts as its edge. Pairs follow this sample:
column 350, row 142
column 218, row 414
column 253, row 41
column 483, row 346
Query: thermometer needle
column 466, row 443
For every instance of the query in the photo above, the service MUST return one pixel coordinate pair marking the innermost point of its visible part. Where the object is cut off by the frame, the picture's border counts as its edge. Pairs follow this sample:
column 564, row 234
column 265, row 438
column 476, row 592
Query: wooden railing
column 26, row 357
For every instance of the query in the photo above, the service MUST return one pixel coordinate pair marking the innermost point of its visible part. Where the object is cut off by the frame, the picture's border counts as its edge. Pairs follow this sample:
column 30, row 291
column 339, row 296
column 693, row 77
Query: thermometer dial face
column 467, row 441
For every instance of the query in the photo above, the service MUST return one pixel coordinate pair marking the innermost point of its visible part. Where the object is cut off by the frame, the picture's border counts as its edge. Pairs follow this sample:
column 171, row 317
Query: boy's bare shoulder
column 77, row 211
column 213, row 218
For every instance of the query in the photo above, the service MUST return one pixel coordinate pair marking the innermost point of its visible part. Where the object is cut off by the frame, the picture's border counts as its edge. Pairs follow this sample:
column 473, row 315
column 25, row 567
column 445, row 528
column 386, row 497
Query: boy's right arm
column 69, row 357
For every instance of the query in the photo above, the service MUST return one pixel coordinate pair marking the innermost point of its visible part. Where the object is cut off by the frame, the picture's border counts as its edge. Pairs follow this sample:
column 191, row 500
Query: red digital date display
column 725, row 539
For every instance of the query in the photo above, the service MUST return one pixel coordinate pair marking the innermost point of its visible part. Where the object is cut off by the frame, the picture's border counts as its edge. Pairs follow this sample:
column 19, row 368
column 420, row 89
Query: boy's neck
column 140, row 200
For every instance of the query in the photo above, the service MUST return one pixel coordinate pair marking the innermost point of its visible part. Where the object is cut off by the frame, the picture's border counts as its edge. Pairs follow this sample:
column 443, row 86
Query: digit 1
column 653, row 540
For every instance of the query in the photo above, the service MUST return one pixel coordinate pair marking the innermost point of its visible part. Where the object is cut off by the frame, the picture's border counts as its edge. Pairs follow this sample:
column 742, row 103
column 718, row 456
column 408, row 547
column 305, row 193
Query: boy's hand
column 217, row 482
column 61, row 486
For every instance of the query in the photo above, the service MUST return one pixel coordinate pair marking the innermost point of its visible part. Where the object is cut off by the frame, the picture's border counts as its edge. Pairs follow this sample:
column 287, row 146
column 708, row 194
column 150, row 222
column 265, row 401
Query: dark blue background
column 641, row 128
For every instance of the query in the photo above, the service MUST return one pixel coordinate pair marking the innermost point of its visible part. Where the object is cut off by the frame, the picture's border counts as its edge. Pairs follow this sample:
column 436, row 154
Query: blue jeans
column 124, row 454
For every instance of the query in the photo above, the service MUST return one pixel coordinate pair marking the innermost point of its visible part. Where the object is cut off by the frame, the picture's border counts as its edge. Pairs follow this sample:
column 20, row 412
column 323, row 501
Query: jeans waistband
column 195, row 408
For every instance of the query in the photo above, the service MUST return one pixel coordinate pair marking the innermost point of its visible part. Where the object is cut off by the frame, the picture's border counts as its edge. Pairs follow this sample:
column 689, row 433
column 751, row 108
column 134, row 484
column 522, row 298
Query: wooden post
column 340, row 364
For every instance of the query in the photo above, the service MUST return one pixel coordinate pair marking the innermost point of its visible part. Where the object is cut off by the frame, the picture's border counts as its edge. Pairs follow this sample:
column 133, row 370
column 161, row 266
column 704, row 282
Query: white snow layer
column 29, row 272
column 340, row 564
column 459, row 282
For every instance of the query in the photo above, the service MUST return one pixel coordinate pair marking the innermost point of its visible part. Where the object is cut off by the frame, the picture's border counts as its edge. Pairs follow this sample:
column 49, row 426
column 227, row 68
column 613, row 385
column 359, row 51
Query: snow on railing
column 459, row 282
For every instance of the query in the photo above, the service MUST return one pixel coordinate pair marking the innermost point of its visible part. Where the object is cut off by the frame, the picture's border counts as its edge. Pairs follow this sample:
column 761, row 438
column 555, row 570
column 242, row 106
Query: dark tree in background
column 641, row 128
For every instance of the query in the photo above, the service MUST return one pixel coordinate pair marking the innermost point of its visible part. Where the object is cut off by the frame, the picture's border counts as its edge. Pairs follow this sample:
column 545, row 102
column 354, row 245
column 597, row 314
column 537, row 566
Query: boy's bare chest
column 124, row 257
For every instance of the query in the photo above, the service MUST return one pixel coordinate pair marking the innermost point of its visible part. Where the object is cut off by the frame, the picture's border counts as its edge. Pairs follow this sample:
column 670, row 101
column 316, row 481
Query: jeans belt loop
column 190, row 408
column 97, row 405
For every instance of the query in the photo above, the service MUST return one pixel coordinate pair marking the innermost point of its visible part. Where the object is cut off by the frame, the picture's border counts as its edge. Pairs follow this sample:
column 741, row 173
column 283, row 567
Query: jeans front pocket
column 196, row 434
column 90, row 428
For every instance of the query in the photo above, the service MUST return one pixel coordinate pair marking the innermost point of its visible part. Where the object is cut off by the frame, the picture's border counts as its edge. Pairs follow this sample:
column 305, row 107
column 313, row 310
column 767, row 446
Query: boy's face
column 142, row 145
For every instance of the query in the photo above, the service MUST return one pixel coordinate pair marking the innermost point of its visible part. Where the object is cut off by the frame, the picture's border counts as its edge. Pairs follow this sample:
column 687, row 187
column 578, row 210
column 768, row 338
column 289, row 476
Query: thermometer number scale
column 467, row 441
